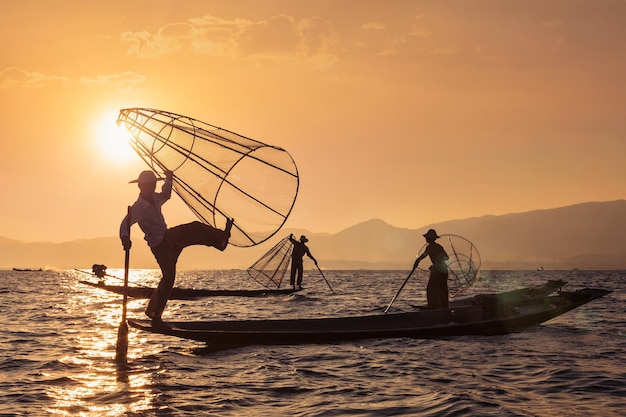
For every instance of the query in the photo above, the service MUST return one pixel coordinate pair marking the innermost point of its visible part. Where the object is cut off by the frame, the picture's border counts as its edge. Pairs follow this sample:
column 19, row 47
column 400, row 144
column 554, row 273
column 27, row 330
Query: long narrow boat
column 485, row 315
column 179, row 293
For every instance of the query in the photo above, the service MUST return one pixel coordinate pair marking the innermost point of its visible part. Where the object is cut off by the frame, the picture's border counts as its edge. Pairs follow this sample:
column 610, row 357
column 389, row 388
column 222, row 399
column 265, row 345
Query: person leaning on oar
column 437, row 288
column 166, row 244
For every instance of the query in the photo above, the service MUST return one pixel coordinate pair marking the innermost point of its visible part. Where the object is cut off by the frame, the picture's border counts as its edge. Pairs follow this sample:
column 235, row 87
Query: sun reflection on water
column 96, row 385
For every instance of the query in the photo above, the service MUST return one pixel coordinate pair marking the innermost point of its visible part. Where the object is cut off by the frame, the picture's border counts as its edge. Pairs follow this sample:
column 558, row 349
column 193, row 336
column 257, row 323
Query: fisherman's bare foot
column 224, row 242
column 229, row 225
column 158, row 323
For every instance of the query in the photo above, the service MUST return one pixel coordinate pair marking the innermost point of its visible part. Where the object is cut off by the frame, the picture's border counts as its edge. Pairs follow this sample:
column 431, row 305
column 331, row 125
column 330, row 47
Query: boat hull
column 486, row 318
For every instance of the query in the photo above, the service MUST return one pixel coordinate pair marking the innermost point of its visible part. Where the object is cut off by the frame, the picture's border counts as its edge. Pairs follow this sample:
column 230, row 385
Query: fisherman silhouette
column 297, row 266
column 100, row 271
column 166, row 243
column 437, row 288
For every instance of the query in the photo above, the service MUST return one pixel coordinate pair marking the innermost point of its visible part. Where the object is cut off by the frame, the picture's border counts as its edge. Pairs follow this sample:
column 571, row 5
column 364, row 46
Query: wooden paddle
column 398, row 293
column 318, row 268
column 121, row 350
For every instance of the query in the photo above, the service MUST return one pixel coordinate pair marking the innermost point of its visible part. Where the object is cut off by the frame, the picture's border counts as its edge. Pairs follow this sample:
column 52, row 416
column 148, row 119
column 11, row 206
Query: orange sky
column 410, row 111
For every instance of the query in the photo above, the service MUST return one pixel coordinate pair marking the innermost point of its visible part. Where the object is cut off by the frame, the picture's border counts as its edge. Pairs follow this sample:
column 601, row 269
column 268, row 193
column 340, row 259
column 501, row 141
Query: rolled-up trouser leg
column 166, row 256
column 197, row 233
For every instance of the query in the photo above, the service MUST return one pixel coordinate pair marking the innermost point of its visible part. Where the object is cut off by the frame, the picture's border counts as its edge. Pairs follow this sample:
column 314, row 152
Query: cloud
column 278, row 38
column 374, row 26
column 19, row 78
column 127, row 79
column 14, row 77
column 170, row 38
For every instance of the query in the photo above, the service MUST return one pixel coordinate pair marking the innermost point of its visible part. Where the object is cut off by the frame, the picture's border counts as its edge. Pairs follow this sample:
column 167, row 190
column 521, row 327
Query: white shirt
column 149, row 216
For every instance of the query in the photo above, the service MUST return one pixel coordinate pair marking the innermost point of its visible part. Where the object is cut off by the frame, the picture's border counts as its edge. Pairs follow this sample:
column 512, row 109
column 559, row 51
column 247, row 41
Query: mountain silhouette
column 585, row 236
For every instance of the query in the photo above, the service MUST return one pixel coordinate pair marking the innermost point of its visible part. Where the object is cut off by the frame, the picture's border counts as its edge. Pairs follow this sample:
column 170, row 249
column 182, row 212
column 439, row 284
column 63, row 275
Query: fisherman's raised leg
column 197, row 233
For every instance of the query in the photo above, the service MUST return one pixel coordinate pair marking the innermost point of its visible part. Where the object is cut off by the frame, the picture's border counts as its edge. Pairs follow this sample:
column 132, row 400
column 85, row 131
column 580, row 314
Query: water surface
column 57, row 353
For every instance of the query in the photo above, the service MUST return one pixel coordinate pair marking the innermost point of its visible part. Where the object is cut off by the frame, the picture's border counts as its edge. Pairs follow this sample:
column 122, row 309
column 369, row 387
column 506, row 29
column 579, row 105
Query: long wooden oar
column 401, row 287
column 331, row 288
column 121, row 350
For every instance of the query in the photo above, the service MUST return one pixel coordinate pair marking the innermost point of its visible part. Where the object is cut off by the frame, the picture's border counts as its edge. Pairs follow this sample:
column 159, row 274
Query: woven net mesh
column 463, row 265
column 219, row 174
column 270, row 269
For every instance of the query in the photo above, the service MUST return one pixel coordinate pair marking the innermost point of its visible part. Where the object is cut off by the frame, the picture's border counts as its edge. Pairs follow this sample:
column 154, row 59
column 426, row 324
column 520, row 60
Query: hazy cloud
column 278, row 38
column 125, row 80
column 419, row 31
column 17, row 77
column 374, row 26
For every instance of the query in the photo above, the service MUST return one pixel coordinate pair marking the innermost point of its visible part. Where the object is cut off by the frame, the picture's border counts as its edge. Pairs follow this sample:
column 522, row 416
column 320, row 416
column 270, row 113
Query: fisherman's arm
column 135, row 215
column 124, row 235
column 419, row 258
column 166, row 190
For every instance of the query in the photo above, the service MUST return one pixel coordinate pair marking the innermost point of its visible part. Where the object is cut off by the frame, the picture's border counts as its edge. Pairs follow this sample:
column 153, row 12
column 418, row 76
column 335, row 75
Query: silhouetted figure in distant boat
column 437, row 288
column 297, row 255
column 166, row 244
column 100, row 271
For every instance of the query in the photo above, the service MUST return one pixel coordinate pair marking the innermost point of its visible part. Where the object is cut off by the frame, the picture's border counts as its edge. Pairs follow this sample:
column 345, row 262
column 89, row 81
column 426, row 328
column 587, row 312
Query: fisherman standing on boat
column 437, row 288
column 166, row 244
column 297, row 266
column 100, row 271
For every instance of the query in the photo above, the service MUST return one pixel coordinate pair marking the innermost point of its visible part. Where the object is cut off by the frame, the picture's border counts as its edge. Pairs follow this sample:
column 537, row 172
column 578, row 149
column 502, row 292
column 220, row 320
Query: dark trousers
column 296, row 269
column 167, row 252
column 437, row 289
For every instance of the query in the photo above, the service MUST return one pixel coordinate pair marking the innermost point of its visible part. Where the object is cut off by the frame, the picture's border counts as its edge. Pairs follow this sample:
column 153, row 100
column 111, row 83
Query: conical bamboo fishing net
column 270, row 269
column 218, row 173
column 463, row 265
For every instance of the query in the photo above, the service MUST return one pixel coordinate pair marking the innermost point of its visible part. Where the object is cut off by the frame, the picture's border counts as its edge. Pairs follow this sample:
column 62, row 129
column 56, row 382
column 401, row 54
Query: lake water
column 58, row 347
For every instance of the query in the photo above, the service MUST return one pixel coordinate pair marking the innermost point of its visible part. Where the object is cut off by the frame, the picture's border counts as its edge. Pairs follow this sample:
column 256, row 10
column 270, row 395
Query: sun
column 113, row 141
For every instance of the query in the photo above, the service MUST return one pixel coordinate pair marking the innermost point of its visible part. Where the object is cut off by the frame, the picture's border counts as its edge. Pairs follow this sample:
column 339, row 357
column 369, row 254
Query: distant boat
column 189, row 293
column 27, row 270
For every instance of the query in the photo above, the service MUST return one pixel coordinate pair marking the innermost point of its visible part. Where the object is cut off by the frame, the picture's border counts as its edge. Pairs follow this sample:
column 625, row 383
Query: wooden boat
column 485, row 314
column 179, row 293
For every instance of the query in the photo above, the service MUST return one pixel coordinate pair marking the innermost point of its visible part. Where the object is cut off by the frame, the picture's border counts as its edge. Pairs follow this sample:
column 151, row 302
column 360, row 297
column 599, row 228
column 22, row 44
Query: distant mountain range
column 583, row 236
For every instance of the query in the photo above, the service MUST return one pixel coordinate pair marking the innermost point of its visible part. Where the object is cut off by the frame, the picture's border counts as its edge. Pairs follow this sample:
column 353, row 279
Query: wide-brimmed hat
column 145, row 177
column 431, row 234
column 303, row 239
